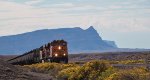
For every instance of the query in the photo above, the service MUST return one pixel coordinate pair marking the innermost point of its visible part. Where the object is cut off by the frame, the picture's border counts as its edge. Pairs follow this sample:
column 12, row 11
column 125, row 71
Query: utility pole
column 147, row 61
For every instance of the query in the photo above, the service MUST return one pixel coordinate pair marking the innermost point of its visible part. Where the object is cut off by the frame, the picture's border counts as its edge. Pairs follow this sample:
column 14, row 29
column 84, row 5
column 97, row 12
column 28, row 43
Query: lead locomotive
column 56, row 51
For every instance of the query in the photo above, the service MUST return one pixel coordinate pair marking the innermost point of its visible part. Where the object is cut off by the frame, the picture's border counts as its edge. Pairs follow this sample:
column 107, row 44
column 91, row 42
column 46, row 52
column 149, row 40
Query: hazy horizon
column 125, row 22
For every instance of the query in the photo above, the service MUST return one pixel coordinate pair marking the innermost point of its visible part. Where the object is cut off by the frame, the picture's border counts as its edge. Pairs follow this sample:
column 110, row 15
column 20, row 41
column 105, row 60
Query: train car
column 56, row 51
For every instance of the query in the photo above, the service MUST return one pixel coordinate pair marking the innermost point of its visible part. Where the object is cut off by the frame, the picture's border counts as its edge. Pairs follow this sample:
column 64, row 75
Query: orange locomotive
column 56, row 51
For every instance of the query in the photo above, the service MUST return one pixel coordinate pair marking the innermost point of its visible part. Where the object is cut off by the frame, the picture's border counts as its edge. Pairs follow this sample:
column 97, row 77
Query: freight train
column 56, row 51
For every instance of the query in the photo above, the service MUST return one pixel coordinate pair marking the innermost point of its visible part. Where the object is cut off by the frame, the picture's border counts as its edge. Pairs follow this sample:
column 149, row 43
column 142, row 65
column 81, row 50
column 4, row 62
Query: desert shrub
column 134, row 74
column 42, row 67
column 105, row 75
column 50, row 68
column 89, row 71
column 67, row 73
column 93, row 70
column 101, row 70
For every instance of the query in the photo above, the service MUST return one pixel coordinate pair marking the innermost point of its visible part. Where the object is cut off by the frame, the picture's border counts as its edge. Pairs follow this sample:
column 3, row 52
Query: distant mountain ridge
column 79, row 40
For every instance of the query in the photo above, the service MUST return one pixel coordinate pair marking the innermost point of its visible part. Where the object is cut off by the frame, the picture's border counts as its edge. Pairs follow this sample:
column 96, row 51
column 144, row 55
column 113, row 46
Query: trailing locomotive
column 55, row 51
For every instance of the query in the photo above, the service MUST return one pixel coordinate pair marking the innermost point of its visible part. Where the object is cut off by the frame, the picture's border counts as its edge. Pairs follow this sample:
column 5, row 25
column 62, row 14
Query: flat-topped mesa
column 79, row 40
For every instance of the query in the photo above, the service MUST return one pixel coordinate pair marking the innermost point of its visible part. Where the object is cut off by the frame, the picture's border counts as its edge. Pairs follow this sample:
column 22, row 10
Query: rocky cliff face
column 79, row 40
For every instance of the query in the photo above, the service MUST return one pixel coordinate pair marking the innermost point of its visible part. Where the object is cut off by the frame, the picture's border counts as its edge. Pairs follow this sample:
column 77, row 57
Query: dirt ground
column 11, row 72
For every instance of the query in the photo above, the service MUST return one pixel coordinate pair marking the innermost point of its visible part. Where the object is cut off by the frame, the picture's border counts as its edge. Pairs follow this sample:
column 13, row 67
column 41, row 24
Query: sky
column 127, row 22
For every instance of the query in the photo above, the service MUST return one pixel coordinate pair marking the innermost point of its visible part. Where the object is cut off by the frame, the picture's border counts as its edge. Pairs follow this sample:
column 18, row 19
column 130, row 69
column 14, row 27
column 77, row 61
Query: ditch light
column 56, row 55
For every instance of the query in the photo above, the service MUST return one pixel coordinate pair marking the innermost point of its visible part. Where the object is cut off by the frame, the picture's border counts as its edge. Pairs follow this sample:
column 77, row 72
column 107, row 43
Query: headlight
column 56, row 55
column 64, row 54
column 59, row 47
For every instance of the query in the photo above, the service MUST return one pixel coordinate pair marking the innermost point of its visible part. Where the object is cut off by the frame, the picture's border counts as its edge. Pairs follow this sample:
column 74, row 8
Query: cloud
column 27, row 17
column 32, row 2
column 63, row 5
column 115, row 20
